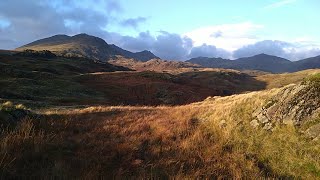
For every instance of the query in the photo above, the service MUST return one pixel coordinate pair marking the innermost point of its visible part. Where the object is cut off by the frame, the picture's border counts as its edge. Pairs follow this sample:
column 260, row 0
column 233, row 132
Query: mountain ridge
column 84, row 45
column 262, row 62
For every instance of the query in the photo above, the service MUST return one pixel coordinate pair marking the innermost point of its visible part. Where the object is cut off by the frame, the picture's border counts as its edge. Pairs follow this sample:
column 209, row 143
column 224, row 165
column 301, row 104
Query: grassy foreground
column 47, row 138
column 209, row 139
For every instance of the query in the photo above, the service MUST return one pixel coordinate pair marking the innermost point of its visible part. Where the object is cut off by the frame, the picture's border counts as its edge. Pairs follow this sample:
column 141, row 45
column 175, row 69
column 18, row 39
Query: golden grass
column 280, row 80
column 209, row 139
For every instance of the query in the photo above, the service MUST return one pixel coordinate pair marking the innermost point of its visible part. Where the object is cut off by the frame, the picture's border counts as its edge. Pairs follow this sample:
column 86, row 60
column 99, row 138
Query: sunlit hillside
column 214, row 138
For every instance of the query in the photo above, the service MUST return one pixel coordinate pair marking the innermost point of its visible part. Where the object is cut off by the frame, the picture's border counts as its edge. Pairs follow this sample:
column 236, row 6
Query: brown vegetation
column 209, row 139
column 206, row 139
column 152, row 88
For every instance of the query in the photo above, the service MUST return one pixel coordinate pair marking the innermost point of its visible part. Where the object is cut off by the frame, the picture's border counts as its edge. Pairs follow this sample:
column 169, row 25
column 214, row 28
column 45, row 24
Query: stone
column 268, row 126
column 222, row 124
column 262, row 118
column 291, row 105
column 254, row 123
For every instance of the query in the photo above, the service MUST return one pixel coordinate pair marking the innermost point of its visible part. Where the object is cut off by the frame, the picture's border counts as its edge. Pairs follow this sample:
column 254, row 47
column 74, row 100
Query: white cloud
column 227, row 36
column 279, row 4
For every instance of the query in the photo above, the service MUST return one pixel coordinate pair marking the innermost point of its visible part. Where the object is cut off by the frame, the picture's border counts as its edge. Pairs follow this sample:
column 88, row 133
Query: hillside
column 261, row 62
column 77, row 118
column 32, row 77
column 309, row 63
column 138, row 56
column 83, row 45
column 152, row 88
column 37, row 79
column 220, row 137
column 154, row 65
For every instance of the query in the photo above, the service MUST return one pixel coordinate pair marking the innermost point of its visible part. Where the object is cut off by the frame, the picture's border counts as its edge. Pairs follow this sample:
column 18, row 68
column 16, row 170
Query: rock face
column 292, row 105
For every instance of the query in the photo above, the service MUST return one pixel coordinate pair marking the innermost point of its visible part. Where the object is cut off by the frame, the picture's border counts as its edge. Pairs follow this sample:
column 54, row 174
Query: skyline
column 176, row 30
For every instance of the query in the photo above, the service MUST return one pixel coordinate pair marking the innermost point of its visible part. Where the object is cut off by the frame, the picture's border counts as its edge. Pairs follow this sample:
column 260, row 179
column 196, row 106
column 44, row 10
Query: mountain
column 262, row 62
column 309, row 63
column 211, row 62
column 84, row 45
column 140, row 56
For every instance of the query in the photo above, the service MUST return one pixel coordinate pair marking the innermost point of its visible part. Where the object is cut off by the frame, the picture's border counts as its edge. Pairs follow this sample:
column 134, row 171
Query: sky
column 172, row 30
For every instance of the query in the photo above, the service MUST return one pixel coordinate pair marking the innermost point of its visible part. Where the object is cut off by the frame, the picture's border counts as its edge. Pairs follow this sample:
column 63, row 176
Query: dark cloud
column 165, row 45
column 31, row 20
column 6, row 42
column 133, row 22
column 142, row 42
column 172, row 46
column 35, row 19
column 208, row 51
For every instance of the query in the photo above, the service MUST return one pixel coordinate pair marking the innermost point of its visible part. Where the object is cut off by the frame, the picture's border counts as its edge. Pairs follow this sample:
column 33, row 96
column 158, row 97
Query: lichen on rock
column 294, row 104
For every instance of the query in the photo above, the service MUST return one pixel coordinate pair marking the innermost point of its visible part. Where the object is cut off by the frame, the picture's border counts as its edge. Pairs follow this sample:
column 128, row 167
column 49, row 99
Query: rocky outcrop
column 294, row 104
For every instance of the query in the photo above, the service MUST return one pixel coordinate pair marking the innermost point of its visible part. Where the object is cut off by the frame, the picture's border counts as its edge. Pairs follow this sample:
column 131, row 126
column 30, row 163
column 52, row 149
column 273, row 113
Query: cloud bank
column 291, row 51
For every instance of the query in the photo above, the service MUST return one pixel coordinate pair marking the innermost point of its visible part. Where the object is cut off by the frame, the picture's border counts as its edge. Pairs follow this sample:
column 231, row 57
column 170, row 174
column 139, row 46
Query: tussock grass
column 23, row 151
column 280, row 80
column 209, row 139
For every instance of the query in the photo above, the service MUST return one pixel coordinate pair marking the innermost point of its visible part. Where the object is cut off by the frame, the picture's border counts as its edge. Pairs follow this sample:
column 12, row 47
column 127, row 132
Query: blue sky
column 181, row 16
column 176, row 30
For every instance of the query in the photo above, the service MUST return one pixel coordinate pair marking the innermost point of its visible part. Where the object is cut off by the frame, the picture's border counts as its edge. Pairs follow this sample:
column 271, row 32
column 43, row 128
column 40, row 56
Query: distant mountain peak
column 262, row 62
column 82, row 34
column 85, row 45
column 60, row 35
column 262, row 54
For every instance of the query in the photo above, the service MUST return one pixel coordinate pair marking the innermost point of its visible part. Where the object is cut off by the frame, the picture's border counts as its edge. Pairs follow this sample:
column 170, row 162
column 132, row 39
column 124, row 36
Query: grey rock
column 292, row 105
column 254, row 123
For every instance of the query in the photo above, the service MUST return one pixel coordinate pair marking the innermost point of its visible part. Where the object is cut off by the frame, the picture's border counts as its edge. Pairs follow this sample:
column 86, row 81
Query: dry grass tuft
column 209, row 139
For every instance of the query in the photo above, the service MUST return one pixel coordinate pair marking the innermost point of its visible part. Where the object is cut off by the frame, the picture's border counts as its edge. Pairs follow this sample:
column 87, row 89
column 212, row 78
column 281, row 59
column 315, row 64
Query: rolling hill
column 55, row 80
column 154, row 65
column 262, row 62
column 270, row 134
column 83, row 45
column 78, row 118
